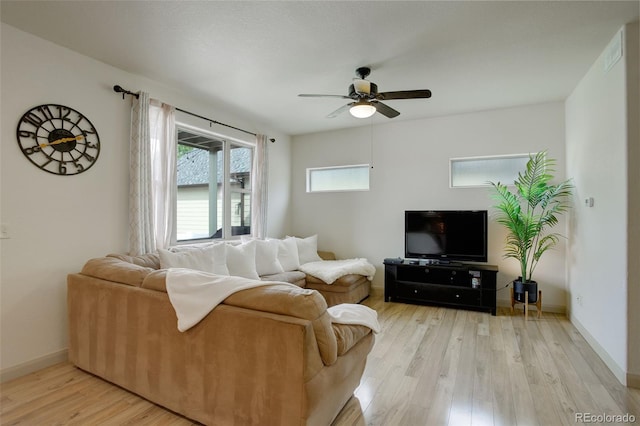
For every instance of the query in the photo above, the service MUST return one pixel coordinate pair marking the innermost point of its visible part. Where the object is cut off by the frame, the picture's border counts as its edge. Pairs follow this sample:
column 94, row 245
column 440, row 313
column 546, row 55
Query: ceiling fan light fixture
column 362, row 109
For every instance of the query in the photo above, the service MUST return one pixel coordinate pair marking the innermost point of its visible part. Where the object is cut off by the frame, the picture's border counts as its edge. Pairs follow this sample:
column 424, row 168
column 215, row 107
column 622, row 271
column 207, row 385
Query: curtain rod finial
column 118, row 89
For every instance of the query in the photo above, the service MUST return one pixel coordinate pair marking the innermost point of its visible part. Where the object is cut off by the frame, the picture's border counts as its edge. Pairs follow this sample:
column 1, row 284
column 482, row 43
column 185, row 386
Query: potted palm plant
column 528, row 213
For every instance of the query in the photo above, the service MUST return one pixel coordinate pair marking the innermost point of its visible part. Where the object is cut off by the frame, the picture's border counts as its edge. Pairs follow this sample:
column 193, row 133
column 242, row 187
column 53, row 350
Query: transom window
column 214, row 186
column 338, row 178
column 478, row 171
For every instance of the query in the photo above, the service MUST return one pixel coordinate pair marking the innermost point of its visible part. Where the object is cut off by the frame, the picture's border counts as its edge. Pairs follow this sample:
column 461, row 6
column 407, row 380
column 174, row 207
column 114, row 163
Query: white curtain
column 259, row 188
column 152, row 175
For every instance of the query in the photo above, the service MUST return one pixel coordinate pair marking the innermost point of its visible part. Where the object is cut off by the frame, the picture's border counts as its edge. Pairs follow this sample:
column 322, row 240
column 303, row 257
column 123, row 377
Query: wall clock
column 58, row 139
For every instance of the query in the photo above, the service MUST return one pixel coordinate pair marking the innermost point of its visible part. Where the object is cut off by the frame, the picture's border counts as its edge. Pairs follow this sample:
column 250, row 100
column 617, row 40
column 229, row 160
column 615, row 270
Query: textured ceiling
column 258, row 56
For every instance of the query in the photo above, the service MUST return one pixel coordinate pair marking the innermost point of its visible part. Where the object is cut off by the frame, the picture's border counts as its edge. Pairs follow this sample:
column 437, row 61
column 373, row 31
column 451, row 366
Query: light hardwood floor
column 429, row 366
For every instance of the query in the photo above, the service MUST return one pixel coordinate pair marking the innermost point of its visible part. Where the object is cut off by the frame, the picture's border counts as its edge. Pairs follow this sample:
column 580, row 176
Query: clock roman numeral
column 32, row 118
column 44, row 109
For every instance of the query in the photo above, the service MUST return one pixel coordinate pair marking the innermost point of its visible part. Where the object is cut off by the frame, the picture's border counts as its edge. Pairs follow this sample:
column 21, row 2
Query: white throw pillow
column 287, row 254
column 208, row 259
column 267, row 262
column 307, row 249
column 241, row 260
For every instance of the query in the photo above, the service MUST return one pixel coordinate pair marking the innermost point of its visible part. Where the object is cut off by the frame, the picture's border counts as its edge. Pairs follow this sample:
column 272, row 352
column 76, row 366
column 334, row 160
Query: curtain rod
column 118, row 89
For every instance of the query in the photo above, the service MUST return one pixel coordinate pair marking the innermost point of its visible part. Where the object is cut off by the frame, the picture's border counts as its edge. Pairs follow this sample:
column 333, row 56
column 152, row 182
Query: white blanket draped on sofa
column 194, row 294
column 330, row 270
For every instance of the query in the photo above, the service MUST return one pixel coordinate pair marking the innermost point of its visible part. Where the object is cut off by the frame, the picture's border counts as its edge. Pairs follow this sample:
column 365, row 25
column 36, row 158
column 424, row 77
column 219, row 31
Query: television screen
column 446, row 235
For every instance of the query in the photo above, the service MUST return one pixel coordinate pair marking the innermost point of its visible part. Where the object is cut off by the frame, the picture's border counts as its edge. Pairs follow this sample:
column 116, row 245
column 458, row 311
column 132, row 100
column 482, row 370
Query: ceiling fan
column 366, row 99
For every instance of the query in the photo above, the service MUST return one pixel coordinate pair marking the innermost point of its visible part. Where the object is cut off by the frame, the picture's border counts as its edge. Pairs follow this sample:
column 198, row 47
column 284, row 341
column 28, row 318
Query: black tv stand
column 459, row 285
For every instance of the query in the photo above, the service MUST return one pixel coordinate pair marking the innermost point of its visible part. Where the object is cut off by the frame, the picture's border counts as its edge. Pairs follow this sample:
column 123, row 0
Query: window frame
column 310, row 170
column 227, row 143
column 484, row 158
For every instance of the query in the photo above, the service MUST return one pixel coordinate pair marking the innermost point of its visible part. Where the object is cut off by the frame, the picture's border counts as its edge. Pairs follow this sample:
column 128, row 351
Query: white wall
column 411, row 171
column 632, row 45
column 56, row 223
column 598, row 265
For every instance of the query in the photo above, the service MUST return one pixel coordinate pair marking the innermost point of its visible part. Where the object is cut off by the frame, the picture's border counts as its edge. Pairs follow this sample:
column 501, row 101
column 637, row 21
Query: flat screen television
column 446, row 235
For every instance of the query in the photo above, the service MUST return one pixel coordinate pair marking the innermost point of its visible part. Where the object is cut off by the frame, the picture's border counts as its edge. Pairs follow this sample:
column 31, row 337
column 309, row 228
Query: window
column 478, row 171
column 339, row 178
column 214, row 186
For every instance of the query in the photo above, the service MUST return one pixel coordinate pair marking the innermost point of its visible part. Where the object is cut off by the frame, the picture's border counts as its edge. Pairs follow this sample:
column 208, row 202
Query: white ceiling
column 258, row 56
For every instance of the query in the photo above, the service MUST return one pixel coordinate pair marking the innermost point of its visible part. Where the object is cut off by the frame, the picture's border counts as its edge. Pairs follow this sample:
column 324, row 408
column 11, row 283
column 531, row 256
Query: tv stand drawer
column 439, row 294
column 436, row 275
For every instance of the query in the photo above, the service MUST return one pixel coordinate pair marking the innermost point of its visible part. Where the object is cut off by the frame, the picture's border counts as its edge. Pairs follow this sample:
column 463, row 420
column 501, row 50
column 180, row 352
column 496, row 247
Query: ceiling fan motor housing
column 373, row 90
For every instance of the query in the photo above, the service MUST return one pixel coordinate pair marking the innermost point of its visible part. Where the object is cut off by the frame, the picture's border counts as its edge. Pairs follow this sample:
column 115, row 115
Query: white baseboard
column 617, row 371
column 32, row 366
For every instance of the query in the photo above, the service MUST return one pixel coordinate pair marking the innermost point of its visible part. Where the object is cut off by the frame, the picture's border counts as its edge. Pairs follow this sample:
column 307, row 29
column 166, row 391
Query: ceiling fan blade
column 307, row 95
column 385, row 110
column 404, row 94
column 340, row 110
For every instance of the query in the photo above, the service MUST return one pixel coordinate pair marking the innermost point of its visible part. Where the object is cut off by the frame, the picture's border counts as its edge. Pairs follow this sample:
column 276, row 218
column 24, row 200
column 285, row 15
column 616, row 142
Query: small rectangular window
column 479, row 171
column 338, row 178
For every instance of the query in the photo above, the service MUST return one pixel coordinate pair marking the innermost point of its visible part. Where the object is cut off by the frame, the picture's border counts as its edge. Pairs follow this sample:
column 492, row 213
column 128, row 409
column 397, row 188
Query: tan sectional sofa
column 266, row 356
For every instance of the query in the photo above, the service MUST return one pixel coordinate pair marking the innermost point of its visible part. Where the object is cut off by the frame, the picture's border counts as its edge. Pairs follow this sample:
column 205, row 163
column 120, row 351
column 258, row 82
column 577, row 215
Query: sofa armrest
column 327, row 255
column 287, row 299
column 348, row 335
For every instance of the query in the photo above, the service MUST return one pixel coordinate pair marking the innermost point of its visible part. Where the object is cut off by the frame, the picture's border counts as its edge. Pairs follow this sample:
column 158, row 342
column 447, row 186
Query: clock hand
column 63, row 140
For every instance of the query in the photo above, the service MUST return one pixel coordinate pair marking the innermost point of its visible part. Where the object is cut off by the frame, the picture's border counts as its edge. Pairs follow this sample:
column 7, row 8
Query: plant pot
column 519, row 289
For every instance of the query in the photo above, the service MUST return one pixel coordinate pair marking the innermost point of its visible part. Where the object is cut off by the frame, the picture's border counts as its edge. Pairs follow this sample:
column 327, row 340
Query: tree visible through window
column 214, row 187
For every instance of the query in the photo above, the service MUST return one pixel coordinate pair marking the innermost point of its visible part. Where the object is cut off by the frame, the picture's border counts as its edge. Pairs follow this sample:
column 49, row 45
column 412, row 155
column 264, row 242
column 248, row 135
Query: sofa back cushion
column 114, row 269
column 149, row 260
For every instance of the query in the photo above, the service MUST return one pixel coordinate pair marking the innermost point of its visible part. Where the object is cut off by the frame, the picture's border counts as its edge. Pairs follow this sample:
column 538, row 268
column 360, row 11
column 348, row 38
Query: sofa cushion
column 342, row 284
column 156, row 280
column 292, row 277
column 149, row 260
column 114, row 269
